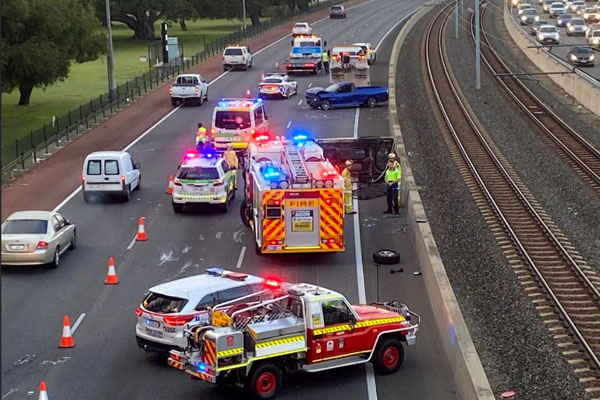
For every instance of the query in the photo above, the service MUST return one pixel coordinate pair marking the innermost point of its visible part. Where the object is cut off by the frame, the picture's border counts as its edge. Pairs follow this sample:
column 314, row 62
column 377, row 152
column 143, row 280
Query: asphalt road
column 106, row 363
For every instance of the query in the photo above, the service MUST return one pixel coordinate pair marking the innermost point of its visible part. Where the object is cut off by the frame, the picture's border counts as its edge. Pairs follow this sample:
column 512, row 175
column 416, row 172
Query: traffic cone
column 66, row 340
column 262, row 76
column 43, row 394
column 276, row 65
column 111, row 276
column 171, row 185
column 141, row 235
column 248, row 94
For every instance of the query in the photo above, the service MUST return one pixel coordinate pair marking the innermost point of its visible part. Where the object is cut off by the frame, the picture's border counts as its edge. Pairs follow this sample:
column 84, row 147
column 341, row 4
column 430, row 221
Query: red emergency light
column 272, row 283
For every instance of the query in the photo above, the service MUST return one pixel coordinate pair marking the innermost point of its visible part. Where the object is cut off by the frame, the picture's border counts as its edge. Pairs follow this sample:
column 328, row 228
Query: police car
column 236, row 120
column 169, row 307
column 203, row 178
column 277, row 84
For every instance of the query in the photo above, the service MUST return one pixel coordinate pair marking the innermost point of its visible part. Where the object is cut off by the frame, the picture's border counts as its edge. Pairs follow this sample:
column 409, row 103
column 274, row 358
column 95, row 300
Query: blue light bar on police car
column 215, row 271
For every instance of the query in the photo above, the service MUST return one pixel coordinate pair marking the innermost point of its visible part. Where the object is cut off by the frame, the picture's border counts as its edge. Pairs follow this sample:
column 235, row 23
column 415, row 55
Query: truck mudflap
column 413, row 319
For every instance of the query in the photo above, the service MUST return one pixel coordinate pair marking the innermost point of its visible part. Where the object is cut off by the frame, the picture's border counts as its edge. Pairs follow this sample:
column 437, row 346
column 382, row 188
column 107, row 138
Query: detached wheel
column 372, row 102
column 388, row 356
column 386, row 257
column 264, row 381
column 325, row 105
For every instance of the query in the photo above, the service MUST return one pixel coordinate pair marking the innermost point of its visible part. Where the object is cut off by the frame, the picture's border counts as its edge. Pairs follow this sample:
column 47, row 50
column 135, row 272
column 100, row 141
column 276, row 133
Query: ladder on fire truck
column 296, row 164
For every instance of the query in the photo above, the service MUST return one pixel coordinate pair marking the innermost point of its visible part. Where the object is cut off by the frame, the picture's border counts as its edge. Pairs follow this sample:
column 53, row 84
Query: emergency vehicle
column 349, row 63
column 235, row 120
column 305, row 55
column 294, row 197
column 303, row 327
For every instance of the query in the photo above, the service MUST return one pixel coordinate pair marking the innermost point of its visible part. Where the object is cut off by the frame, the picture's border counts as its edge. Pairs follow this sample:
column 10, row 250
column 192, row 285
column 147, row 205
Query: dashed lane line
column 241, row 258
column 76, row 324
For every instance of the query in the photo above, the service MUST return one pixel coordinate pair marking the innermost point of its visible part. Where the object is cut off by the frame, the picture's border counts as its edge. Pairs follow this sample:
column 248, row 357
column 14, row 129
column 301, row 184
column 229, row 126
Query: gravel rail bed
column 513, row 343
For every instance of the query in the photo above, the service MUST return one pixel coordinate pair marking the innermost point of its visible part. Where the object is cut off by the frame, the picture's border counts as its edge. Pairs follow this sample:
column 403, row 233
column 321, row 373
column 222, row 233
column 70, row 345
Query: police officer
column 392, row 157
column 393, row 176
column 200, row 133
column 325, row 61
column 348, row 209
column 230, row 157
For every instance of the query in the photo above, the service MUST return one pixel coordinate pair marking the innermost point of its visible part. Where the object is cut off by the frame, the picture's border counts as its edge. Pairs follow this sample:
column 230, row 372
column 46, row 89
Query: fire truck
column 293, row 198
column 300, row 327
column 349, row 63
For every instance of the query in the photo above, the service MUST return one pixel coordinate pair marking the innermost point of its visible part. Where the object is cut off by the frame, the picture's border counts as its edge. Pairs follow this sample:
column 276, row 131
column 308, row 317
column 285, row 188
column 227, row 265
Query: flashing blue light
column 299, row 138
column 201, row 367
column 271, row 173
column 215, row 271
column 222, row 104
column 259, row 100
column 209, row 155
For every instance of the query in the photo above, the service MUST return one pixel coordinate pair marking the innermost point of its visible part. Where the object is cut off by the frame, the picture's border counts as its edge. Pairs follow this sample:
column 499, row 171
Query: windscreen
column 548, row 29
column 272, row 80
column 300, row 26
column 160, row 303
column 577, row 22
column 333, row 88
column 583, row 50
column 25, row 226
column 187, row 80
column 198, row 173
column 233, row 52
column 336, row 8
column 529, row 12
column 232, row 119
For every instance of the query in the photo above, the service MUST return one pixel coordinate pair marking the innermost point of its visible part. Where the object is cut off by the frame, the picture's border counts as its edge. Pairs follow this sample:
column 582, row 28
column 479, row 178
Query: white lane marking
column 394, row 27
column 300, row 102
column 288, row 125
column 241, row 258
column 167, row 257
column 132, row 243
column 310, row 85
column 371, row 386
column 10, row 392
column 356, row 117
column 76, row 324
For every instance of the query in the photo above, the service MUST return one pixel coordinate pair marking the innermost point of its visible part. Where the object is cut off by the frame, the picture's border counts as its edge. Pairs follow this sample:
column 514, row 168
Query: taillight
column 122, row 179
column 309, row 65
column 218, row 182
column 196, row 89
column 170, row 89
column 178, row 321
column 42, row 245
column 82, row 180
column 213, row 131
column 177, row 184
column 138, row 312
column 252, row 131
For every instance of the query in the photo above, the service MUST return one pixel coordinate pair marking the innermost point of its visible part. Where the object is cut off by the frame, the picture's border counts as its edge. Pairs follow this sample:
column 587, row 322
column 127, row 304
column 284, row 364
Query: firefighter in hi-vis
column 230, row 157
column 200, row 136
column 348, row 209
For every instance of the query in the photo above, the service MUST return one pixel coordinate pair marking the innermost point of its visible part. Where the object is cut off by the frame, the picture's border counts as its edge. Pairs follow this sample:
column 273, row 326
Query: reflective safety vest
column 231, row 159
column 200, row 135
column 347, row 182
column 392, row 175
column 324, row 57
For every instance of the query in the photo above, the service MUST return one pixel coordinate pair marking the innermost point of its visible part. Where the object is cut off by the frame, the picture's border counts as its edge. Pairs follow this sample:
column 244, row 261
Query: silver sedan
column 36, row 238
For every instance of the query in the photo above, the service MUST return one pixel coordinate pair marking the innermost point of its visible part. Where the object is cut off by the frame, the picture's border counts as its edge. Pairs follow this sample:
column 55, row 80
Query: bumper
column 271, row 93
column 199, row 198
column 336, row 15
column 103, row 188
column 268, row 249
column 235, row 145
column 38, row 257
column 152, row 346
column 583, row 63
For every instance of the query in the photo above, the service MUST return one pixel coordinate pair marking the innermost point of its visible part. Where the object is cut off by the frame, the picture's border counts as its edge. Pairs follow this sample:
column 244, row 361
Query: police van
column 235, row 121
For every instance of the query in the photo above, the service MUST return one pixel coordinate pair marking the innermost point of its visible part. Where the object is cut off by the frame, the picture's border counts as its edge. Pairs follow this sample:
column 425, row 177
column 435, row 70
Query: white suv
column 237, row 56
column 169, row 307
column 301, row 28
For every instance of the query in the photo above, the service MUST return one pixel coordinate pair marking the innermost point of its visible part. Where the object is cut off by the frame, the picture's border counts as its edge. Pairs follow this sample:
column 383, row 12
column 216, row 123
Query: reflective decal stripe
column 279, row 341
column 208, row 356
column 380, row 321
column 232, row 352
column 331, row 329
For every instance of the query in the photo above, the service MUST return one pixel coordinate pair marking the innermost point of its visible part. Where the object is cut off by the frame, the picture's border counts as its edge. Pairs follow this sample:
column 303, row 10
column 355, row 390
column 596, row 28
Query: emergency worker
column 208, row 146
column 348, row 209
column 393, row 175
column 230, row 157
column 392, row 157
column 325, row 60
column 200, row 134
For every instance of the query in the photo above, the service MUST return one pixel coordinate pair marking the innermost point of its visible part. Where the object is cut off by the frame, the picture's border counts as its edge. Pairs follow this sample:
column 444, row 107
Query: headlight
column 592, row 58
column 523, row 18
column 596, row 41
column 536, row 17
column 573, row 57
column 571, row 28
column 586, row 16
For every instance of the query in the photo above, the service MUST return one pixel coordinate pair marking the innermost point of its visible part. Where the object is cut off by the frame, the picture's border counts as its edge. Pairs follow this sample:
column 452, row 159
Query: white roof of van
column 101, row 154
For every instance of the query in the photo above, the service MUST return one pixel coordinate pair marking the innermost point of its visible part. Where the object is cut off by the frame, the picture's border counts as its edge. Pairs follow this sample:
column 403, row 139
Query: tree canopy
column 42, row 38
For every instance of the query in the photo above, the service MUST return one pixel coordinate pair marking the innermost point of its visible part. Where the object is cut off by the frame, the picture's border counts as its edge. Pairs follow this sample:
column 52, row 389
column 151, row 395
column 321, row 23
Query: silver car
column 36, row 238
column 576, row 26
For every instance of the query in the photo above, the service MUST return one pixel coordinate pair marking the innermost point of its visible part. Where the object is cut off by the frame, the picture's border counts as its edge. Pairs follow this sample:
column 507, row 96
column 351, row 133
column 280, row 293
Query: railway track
column 561, row 285
column 577, row 152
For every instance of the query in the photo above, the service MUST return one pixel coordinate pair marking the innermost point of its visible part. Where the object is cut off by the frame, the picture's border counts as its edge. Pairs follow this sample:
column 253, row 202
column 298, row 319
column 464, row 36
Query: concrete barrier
column 469, row 376
column 583, row 89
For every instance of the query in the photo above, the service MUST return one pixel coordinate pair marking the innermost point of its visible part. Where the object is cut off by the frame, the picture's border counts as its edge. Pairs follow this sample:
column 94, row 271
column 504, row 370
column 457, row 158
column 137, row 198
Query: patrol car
column 277, row 84
column 168, row 307
column 235, row 120
column 203, row 178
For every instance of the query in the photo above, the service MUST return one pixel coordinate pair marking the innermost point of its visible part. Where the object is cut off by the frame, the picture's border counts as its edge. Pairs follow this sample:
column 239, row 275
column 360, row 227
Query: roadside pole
column 109, row 54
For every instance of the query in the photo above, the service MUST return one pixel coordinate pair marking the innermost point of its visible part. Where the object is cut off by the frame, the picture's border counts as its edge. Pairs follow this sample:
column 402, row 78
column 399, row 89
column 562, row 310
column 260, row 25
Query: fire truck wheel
column 264, row 381
column 244, row 214
column 389, row 356
column 386, row 257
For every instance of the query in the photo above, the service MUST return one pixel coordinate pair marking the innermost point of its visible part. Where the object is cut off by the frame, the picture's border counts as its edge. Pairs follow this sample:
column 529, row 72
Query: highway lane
column 106, row 362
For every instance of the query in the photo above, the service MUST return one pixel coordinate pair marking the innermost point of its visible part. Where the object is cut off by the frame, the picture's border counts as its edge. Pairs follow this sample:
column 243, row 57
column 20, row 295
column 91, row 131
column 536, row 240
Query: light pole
column 109, row 54
column 477, row 48
column 244, row 9
column 456, row 18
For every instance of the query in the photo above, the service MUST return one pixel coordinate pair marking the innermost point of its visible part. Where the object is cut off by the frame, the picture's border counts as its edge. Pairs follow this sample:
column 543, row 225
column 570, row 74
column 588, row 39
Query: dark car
column 337, row 12
column 346, row 94
column 535, row 26
column 563, row 20
column 581, row 56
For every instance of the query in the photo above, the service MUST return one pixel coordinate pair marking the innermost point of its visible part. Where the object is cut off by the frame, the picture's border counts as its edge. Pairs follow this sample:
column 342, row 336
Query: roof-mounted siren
column 236, row 276
column 276, row 177
column 272, row 283
column 215, row 271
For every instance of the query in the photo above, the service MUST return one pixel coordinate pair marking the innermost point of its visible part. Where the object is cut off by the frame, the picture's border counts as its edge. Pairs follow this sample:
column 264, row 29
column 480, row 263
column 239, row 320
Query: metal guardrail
column 80, row 119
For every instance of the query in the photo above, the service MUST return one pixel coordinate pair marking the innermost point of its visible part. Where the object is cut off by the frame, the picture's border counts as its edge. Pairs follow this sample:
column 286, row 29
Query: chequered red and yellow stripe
column 273, row 229
column 331, row 218
column 209, row 353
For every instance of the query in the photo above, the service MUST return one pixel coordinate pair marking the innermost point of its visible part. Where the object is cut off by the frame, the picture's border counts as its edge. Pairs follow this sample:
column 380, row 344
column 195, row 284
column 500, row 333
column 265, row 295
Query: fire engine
column 301, row 327
column 293, row 197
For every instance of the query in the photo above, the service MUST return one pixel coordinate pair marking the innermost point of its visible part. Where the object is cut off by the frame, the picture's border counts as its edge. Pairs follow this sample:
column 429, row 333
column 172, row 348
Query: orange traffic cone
column 248, row 94
column 141, row 235
column 66, row 339
column 43, row 394
column 111, row 276
column 171, row 185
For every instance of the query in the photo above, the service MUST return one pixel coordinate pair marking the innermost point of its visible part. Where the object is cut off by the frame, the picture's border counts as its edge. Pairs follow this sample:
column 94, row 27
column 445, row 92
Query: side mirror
column 68, row 222
column 136, row 165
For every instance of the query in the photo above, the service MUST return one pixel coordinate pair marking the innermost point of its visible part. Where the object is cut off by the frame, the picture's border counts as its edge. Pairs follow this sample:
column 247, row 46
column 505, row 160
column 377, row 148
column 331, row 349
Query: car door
column 342, row 97
column 58, row 232
column 66, row 230
column 338, row 337
column 133, row 171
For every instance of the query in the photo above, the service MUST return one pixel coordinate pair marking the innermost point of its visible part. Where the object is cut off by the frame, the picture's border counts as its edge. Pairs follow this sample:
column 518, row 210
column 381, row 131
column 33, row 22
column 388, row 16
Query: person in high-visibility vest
column 200, row 134
column 393, row 175
column 392, row 157
column 348, row 209
column 230, row 157
column 325, row 61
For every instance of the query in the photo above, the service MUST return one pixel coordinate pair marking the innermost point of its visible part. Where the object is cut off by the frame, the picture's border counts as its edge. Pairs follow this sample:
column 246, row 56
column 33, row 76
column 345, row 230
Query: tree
column 42, row 38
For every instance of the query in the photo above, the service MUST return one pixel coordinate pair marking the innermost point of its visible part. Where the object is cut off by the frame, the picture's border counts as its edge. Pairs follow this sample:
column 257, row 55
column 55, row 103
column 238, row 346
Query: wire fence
column 64, row 128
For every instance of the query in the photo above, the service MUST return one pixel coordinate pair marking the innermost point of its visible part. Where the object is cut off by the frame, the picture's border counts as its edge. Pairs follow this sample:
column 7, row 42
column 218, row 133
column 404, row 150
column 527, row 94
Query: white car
column 277, row 84
column 547, row 4
column 594, row 39
column 548, row 34
column 369, row 51
column 577, row 5
column 556, row 9
column 590, row 15
column 588, row 29
column 169, row 307
column 523, row 6
column 237, row 56
column 110, row 172
column 188, row 88
column 301, row 28
column 576, row 26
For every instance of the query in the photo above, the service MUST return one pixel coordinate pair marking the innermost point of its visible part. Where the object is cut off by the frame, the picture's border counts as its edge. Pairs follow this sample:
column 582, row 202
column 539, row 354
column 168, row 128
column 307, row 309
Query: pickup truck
column 346, row 94
column 188, row 87
column 237, row 56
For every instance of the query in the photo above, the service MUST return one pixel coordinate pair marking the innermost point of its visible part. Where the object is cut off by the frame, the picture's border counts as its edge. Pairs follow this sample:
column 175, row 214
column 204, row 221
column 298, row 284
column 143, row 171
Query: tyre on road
column 245, row 214
column 55, row 260
column 87, row 197
column 264, row 381
column 389, row 355
column 178, row 208
column 139, row 183
column 372, row 102
column 325, row 105
column 386, row 257
column 73, row 241
column 199, row 101
column 174, row 102
column 127, row 193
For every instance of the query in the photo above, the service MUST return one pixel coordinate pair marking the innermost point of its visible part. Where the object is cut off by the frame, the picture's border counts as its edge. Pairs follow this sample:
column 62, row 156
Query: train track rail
column 562, row 286
column 577, row 152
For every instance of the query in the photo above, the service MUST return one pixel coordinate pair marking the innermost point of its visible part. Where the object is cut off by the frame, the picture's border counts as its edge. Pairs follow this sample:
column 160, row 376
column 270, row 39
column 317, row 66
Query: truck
column 188, row 88
column 301, row 327
column 346, row 94
column 293, row 197
column 305, row 55
column 349, row 63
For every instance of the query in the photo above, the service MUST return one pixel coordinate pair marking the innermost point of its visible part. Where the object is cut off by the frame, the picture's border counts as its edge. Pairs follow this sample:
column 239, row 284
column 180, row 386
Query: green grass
column 89, row 80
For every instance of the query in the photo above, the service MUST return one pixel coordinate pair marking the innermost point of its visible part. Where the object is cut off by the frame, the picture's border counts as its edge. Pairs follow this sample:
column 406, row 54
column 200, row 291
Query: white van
column 110, row 172
column 237, row 120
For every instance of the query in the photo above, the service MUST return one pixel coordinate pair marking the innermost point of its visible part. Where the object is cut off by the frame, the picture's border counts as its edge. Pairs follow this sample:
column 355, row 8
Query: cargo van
column 110, row 172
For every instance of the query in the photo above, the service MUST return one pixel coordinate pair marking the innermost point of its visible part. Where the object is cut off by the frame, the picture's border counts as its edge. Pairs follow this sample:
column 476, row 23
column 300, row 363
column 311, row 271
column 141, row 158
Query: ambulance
column 235, row 120
column 293, row 198
column 349, row 63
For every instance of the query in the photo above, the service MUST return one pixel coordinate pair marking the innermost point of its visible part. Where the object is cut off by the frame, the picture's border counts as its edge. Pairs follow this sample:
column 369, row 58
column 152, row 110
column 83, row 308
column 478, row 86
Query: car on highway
column 563, row 19
column 594, row 39
column 548, row 34
column 590, row 28
column 577, row 5
column 237, row 56
column 346, row 94
column 337, row 12
column 523, row 6
column 369, row 51
column 581, row 56
column 535, row 26
column 546, row 5
column 529, row 16
column 169, row 307
column 236, row 120
column 591, row 15
column 203, row 178
column 301, row 28
column 576, row 27
column 556, row 9
column 188, row 88
column 277, row 84
column 110, row 173
column 36, row 238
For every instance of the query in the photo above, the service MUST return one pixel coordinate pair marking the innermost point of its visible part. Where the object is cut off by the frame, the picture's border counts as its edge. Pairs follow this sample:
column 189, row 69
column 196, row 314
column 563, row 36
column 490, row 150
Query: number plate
column 154, row 332
column 152, row 323
column 17, row 247
column 93, row 186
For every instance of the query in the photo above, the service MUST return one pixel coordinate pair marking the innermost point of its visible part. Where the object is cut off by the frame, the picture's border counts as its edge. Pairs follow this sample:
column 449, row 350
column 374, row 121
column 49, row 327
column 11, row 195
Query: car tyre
column 87, row 197
column 127, row 194
column 177, row 208
column 206, row 95
column 372, row 102
column 389, row 356
column 264, row 381
column 174, row 102
column 386, row 257
column 139, row 184
column 73, row 241
column 200, row 100
column 225, row 206
column 56, row 259
column 244, row 213
column 325, row 105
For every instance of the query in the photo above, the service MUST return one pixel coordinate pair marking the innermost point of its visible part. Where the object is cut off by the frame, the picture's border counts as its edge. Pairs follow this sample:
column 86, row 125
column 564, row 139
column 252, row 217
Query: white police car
column 168, row 307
